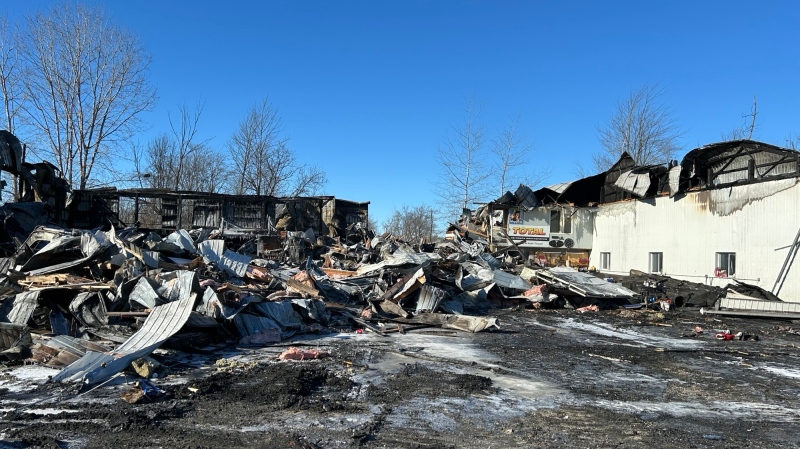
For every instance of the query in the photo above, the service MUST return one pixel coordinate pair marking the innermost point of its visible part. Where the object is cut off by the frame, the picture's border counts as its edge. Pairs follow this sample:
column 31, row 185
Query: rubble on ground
column 95, row 302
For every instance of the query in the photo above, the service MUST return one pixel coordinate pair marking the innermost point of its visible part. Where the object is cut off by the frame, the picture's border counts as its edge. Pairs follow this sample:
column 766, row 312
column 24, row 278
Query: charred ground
column 552, row 378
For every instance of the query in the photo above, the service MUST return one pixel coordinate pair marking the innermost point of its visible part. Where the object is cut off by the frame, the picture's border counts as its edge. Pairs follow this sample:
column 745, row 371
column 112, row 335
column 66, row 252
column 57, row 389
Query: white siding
column 750, row 220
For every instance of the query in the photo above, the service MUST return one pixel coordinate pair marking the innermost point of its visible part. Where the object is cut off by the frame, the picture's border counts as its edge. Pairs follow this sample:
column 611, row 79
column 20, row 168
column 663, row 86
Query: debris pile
column 95, row 302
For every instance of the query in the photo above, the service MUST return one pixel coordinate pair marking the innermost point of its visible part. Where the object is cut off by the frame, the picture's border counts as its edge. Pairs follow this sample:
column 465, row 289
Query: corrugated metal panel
column 162, row 323
column 560, row 187
column 674, row 180
column 248, row 324
column 11, row 333
column 19, row 309
column 508, row 280
column 636, row 183
column 784, row 168
column 429, row 298
column 759, row 305
column 281, row 313
column 584, row 284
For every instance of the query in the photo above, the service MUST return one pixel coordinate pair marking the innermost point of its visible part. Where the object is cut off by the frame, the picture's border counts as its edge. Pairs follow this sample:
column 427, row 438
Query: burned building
column 552, row 225
column 727, row 211
column 167, row 210
column 44, row 197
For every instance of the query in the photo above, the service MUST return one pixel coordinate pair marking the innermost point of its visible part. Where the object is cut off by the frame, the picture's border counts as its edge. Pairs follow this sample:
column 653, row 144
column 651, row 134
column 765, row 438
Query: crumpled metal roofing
column 163, row 322
column 636, row 181
column 584, row 284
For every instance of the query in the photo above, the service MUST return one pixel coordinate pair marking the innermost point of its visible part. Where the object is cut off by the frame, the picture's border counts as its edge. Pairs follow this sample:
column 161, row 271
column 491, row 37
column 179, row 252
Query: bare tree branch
column 264, row 164
column 463, row 174
column 514, row 152
column 183, row 136
column 12, row 92
column 642, row 126
column 745, row 132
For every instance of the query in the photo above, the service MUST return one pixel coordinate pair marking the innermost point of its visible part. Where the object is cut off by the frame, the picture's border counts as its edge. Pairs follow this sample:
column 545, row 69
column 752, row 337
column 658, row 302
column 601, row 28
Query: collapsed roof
column 711, row 166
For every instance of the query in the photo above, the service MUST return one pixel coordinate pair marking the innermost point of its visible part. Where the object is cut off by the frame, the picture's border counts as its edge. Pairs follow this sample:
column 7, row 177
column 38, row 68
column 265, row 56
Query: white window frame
column 655, row 262
column 722, row 261
column 605, row 261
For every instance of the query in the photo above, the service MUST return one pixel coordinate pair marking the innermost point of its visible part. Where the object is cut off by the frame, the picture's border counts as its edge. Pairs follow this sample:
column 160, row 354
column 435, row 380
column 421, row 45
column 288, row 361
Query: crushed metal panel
column 58, row 245
column 90, row 245
column 162, row 323
column 144, row 293
column 473, row 276
column 235, row 263
column 281, row 313
column 10, row 152
column 59, row 323
column 584, row 284
column 429, row 298
column 231, row 262
column 90, row 309
column 314, row 309
column 636, row 181
column 525, row 197
column 399, row 259
column 675, row 180
column 248, row 324
column 560, row 187
column 179, row 285
column 198, row 320
column 11, row 334
column 147, row 257
column 19, row 309
column 211, row 250
column 75, row 346
column 508, row 280
column 182, row 239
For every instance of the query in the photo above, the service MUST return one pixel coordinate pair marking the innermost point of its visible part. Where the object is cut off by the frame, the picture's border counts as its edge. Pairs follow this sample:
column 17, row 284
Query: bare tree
column 745, row 132
column 412, row 224
column 11, row 87
column 184, row 143
column 643, row 126
column 263, row 163
column 11, row 90
column 178, row 161
column 86, row 84
column 513, row 152
column 160, row 156
column 463, row 174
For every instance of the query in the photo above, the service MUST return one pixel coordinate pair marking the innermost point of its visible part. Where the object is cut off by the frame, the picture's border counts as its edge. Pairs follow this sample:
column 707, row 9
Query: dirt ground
column 549, row 378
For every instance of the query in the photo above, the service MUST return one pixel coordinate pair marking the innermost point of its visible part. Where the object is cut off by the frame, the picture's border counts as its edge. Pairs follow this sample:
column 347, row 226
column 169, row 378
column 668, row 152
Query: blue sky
column 369, row 89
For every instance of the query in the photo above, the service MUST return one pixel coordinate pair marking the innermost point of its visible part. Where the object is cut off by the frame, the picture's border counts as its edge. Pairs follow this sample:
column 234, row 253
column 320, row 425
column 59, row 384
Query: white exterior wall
column 749, row 220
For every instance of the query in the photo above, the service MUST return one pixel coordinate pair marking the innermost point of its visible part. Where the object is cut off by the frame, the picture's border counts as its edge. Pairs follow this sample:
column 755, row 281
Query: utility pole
column 430, row 237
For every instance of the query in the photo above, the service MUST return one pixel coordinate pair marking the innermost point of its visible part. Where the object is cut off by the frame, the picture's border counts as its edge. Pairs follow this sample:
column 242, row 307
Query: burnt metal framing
column 704, row 158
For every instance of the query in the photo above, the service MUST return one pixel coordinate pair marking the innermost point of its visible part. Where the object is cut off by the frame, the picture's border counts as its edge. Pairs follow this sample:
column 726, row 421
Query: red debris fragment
column 299, row 354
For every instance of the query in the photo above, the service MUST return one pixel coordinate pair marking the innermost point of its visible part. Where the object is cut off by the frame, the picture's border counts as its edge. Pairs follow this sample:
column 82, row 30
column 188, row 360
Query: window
column 567, row 224
column 555, row 221
column 725, row 265
column 656, row 262
column 605, row 261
